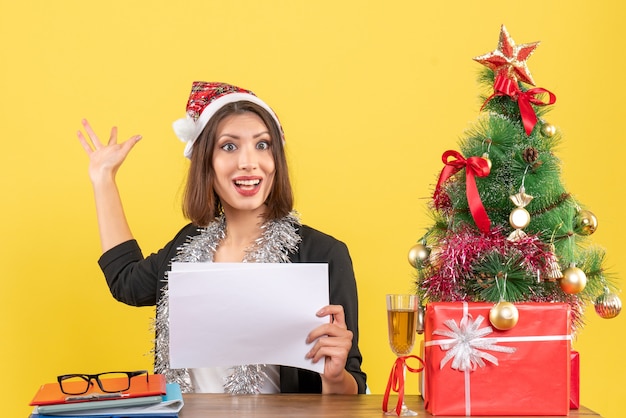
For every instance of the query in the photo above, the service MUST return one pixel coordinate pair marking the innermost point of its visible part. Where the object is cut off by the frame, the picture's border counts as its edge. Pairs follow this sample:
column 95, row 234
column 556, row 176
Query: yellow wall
column 370, row 95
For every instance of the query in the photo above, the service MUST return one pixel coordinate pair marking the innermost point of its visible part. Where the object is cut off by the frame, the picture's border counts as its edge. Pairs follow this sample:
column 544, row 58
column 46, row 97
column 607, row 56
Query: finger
column 113, row 136
column 336, row 333
column 314, row 352
column 318, row 332
column 344, row 342
column 336, row 312
column 330, row 330
column 92, row 135
column 130, row 143
column 333, row 352
column 84, row 143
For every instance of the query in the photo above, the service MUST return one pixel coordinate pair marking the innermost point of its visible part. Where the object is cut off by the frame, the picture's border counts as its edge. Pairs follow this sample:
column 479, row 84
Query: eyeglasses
column 109, row 382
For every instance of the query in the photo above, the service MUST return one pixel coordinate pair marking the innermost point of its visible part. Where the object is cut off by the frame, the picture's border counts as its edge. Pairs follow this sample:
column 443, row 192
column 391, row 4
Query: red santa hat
column 204, row 101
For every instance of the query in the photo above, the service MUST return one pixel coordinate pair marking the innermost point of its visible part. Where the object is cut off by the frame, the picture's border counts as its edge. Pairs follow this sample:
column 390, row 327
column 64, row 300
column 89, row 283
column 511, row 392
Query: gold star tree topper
column 509, row 60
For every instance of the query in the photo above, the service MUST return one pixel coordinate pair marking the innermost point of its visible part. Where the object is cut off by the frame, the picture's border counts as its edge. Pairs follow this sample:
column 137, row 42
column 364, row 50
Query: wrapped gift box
column 574, row 398
column 474, row 369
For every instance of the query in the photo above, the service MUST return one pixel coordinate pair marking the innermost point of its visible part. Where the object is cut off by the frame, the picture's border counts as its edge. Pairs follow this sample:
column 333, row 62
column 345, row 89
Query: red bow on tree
column 396, row 381
column 474, row 166
column 504, row 86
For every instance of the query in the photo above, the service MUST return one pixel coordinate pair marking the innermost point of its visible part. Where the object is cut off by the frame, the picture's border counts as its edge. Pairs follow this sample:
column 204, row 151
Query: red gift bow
column 396, row 380
column 504, row 86
column 474, row 166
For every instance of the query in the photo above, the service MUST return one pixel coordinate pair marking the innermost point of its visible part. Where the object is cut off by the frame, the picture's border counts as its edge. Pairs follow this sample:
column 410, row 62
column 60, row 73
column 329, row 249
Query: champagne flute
column 402, row 324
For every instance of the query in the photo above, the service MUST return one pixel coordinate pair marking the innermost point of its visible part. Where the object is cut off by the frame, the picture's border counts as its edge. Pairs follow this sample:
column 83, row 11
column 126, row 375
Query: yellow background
column 370, row 94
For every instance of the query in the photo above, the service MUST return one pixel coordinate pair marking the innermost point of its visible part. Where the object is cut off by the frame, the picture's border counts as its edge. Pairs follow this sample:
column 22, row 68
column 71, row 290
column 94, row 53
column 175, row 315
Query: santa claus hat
column 204, row 101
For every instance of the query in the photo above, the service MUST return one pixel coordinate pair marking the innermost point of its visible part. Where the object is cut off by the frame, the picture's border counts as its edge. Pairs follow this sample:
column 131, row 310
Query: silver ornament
column 246, row 380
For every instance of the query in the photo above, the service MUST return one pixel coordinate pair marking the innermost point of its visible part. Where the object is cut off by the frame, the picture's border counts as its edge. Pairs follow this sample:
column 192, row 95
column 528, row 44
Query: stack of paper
column 144, row 399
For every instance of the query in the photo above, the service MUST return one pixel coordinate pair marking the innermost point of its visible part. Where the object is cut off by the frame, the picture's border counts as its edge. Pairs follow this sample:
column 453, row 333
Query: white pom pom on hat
column 204, row 101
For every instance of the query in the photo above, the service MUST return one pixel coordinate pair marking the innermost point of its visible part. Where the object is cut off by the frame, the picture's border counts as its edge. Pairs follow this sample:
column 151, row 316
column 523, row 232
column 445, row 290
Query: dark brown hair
column 200, row 202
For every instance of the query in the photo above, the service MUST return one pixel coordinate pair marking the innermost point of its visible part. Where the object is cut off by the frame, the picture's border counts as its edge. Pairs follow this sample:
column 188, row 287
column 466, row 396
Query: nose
column 248, row 159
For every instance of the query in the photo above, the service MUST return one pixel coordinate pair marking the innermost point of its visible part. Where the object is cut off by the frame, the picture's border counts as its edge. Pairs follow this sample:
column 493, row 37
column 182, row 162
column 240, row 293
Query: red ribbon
column 474, row 166
column 396, row 381
column 504, row 86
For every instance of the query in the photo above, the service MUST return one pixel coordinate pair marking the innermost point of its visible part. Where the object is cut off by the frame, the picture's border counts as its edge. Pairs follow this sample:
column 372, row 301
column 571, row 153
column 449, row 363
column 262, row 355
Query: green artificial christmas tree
column 505, row 228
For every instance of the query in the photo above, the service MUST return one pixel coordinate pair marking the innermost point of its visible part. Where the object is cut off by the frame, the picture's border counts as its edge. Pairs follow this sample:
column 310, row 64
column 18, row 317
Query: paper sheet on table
column 225, row 314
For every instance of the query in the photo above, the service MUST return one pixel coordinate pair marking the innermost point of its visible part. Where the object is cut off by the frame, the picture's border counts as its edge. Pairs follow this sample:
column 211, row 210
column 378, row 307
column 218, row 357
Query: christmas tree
column 505, row 228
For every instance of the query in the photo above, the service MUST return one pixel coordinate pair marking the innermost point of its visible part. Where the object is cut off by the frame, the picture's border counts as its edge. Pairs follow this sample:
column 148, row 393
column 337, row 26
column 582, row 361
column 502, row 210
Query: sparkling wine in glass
column 402, row 325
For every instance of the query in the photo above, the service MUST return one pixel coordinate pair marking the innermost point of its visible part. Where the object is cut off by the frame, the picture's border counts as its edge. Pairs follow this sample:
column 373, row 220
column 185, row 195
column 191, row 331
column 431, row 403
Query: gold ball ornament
column 519, row 218
column 585, row 222
column 418, row 254
column 548, row 130
column 504, row 316
column 486, row 157
column 608, row 305
column 573, row 281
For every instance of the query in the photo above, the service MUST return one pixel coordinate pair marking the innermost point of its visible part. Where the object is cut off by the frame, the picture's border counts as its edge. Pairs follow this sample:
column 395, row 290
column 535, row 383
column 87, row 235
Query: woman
column 239, row 200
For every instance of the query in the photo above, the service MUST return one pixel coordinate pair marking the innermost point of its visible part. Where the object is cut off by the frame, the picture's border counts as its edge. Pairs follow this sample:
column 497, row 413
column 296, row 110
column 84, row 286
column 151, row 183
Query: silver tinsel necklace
column 278, row 239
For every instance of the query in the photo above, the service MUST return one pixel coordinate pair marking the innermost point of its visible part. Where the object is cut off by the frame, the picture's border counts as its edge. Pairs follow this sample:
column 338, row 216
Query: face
column 243, row 163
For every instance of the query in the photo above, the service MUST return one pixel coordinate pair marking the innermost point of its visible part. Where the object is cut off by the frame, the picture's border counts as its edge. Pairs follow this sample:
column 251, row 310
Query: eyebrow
column 238, row 137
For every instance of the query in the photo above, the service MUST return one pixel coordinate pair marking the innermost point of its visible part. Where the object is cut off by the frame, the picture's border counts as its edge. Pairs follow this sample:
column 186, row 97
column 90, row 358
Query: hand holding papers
column 224, row 314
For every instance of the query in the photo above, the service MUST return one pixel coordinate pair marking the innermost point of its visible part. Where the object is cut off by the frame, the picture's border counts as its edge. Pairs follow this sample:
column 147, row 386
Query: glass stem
column 404, row 380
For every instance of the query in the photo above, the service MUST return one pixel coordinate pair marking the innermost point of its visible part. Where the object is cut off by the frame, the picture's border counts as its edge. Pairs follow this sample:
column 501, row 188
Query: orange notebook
column 50, row 393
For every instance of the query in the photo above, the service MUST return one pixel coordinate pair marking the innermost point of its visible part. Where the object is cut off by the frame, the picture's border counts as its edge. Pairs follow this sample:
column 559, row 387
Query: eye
column 229, row 147
column 263, row 145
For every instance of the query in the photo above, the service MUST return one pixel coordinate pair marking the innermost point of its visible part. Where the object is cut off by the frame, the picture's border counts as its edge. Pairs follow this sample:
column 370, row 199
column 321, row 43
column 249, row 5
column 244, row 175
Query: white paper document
column 226, row 314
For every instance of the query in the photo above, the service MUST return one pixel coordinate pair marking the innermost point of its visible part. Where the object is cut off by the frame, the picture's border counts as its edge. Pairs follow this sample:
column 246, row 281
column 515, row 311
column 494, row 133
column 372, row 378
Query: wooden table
column 303, row 405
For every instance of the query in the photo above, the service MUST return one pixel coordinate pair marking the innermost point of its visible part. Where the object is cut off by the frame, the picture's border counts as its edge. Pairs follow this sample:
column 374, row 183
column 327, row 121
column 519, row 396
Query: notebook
column 169, row 407
column 50, row 393
column 98, row 405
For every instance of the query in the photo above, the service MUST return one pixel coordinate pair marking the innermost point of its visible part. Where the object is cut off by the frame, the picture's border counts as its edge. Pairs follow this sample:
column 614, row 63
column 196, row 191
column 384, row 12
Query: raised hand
column 104, row 159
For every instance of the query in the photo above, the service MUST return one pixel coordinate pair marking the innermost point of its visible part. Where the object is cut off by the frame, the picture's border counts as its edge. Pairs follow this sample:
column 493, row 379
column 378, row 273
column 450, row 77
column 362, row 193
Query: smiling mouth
column 247, row 184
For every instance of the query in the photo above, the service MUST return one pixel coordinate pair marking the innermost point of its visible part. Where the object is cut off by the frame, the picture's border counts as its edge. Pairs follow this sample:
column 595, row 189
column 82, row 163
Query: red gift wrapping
column 475, row 369
column 574, row 396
